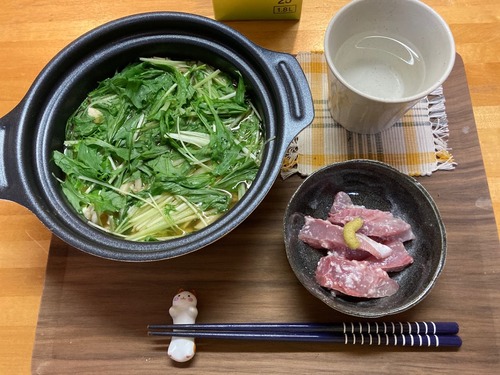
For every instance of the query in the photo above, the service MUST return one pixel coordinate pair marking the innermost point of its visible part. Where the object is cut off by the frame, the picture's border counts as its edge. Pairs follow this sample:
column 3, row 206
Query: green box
column 225, row 10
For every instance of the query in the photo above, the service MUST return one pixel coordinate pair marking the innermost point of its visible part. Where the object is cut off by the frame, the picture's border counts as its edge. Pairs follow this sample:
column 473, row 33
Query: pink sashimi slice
column 320, row 233
column 397, row 261
column 341, row 202
column 376, row 223
column 354, row 278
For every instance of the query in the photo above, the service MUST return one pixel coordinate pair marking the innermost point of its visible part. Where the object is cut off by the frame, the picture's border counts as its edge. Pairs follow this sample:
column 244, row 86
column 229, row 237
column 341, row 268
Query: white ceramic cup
column 383, row 57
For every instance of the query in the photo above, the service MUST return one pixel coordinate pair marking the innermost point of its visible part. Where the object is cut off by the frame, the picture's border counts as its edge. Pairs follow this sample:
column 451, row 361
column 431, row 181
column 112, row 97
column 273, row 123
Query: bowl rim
column 326, row 296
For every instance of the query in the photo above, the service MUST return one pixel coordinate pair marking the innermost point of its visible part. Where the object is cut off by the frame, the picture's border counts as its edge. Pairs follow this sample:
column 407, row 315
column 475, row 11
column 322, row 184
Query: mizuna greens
column 161, row 149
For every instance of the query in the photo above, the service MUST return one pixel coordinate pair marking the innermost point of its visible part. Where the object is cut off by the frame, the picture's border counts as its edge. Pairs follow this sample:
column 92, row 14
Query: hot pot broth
column 161, row 149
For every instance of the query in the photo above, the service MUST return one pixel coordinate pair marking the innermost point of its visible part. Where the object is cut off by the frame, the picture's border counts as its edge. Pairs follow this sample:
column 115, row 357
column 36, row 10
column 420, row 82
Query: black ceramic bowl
column 378, row 186
column 36, row 127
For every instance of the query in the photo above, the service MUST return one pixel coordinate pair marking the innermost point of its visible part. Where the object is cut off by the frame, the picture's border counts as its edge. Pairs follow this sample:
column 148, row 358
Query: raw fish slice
column 320, row 233
column 376, row 223
column 354, row 278
column 341, row 202
column 397, row 261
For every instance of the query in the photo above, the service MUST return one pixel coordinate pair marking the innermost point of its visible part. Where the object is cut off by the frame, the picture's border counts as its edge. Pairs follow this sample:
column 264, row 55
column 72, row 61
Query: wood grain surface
column 244, row 284
column 94, row 312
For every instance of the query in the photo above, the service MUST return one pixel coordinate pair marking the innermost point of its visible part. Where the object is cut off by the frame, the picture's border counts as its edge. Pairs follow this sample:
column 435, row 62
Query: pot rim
column 66, row 67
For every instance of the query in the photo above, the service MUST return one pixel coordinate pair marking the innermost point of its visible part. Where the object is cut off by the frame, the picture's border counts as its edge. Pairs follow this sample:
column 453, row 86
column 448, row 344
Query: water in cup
column 380, row 65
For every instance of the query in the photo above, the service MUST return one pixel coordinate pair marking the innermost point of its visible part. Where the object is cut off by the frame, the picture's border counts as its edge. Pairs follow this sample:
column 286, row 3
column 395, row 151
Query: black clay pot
column 35, row 128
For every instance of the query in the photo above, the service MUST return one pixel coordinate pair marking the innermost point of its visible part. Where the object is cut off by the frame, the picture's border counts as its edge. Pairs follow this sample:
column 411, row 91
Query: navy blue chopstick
column 426, row 328
column 414, row 334
column 373, row 339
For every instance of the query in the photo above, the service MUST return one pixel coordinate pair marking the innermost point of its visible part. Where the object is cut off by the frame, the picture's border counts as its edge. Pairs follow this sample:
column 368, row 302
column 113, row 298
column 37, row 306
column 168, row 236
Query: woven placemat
column 416, row 145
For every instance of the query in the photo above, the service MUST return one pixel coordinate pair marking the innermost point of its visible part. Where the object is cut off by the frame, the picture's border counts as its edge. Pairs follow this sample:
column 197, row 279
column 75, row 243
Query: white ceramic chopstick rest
column 183, row 311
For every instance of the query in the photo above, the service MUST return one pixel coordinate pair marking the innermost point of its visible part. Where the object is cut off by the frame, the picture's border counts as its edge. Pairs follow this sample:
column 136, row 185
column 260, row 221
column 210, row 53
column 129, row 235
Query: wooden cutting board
column 94, row 312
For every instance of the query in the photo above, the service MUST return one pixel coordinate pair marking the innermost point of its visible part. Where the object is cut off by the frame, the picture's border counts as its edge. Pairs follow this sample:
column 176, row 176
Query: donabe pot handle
column 10, row 178
column 298, row 104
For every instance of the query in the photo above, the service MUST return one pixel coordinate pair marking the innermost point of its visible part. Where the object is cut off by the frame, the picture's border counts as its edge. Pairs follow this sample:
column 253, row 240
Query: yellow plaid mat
column 415, row 145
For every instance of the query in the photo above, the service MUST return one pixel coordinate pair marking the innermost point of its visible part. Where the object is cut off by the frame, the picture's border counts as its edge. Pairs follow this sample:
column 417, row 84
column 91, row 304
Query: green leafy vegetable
column 161, row 149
